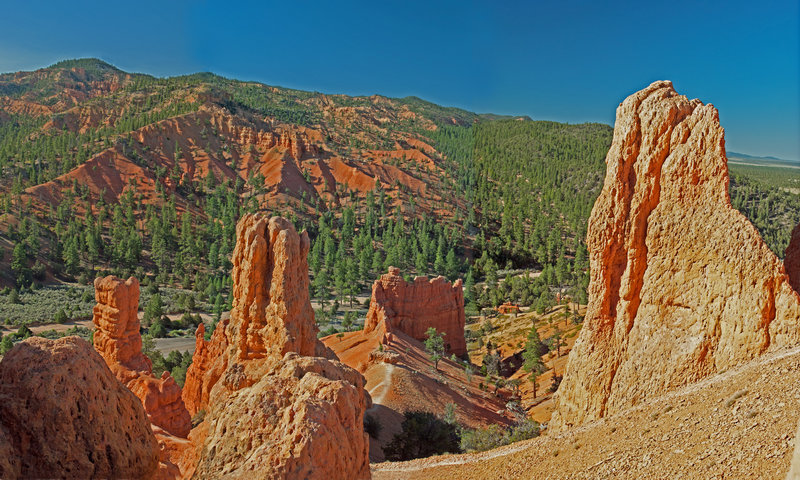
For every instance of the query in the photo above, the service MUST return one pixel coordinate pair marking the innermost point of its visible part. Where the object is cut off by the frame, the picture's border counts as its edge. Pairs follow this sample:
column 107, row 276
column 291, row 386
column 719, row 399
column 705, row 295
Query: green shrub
column 372, row 426
column 23, row 333
column 479, row 440
column 153, row 310
column 423, row 434
column 158, row 330
column 38, row 271
column 88, row 295
column 6, row 344
column 61, row 316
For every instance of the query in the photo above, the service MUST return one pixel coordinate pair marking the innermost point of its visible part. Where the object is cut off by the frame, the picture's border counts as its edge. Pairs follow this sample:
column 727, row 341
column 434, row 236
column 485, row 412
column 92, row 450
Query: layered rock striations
column 119, row 342
column 682, row 285
column 275, row 403
column 116, row 335
column 413, row 307
column 63, row 414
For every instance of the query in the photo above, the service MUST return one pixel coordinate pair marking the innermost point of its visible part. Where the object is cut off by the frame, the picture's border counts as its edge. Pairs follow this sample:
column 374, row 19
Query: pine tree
column 434, row 345
column 19, row 265
column 451, row 265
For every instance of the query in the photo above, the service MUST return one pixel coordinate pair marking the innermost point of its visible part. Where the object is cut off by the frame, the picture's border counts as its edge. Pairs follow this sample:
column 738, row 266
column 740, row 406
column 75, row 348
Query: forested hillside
column 109, row 172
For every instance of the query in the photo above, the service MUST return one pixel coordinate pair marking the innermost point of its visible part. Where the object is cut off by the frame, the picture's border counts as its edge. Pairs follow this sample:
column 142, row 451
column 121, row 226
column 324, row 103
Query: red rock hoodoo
column 682, row 285
column 118, row 341
column 63, row 414
column 414, row 307
column 264, row 374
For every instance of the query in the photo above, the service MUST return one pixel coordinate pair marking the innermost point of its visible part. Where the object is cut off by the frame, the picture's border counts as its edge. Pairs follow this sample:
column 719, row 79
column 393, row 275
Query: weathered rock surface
column 117, row 339
column 276, row 405
column 199, row 377
column 116, row 335
column 63, row 414
column 792, row 259
column 682, row 286
column 414, row 307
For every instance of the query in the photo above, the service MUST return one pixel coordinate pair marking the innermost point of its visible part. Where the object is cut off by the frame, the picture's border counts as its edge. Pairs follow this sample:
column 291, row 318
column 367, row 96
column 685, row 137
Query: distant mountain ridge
column 83, row 139
column 736, row 157
column 85, row 146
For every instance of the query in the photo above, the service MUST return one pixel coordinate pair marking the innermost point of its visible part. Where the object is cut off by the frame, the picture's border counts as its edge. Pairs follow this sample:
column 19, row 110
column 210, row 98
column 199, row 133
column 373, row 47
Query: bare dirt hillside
column 401, row 377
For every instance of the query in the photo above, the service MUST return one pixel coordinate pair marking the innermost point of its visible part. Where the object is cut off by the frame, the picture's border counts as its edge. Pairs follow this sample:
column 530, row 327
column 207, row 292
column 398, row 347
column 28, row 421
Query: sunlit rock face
column 682, row 285
column 276, row 403
column 63, row 414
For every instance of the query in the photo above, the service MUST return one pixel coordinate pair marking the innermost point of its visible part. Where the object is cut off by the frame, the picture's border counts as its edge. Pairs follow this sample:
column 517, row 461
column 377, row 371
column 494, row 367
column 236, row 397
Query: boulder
column 63, row 414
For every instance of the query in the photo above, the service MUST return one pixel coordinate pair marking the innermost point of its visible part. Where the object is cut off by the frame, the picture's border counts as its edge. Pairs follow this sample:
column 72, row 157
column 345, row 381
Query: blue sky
column 571, row 61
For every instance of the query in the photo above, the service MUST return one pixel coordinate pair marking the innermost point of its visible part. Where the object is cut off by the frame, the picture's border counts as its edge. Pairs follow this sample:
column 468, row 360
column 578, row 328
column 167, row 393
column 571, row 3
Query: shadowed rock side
column 276, row 404
column 414, row 307
column 682, row 285
column 792, row 259
column 63, row 414
column 117, row 339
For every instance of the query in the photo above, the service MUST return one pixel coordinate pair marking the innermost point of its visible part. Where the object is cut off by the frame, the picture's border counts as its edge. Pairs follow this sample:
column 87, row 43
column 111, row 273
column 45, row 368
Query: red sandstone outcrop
column 193, row 394
column 63, row 414
column 682, row 285
column 117, row 339
column 276, row 404
column 414, row 307
column 116, row 335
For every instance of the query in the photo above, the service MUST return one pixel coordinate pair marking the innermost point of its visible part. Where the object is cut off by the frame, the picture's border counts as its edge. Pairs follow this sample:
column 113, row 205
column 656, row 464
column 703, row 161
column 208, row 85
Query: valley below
column 240, row 280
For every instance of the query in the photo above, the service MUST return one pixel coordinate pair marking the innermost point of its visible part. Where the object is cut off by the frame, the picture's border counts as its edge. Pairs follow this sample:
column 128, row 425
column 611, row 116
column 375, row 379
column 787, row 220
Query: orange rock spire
column 117, row 339
column 682, row 285
column 264, row 373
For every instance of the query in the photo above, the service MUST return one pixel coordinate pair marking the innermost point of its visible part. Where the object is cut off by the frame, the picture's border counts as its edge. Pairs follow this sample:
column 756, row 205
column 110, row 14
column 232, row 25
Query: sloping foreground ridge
column 275, row 402
column 682, row 285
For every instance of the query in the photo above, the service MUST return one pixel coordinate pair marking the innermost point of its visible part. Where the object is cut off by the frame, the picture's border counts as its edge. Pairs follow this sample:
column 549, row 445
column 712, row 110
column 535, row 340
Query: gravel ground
column 739, row 424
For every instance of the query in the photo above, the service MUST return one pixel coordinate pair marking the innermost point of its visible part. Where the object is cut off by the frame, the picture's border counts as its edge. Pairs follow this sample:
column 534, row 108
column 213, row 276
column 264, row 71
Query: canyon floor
column 737, row 424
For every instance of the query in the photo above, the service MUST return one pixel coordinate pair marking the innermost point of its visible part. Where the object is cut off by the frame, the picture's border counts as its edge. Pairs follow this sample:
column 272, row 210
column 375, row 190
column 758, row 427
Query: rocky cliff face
column 275, row 403
column 117, row 339
column 414, row 307
column 63, row 414
column 792, row 259
column 682, row 285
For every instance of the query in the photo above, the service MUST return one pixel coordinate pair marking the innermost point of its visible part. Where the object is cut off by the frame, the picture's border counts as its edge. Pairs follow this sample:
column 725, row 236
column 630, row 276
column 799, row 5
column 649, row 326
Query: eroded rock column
column 682, row 285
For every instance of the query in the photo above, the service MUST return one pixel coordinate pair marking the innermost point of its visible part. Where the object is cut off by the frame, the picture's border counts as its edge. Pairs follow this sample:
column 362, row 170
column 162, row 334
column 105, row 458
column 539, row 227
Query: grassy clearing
column 40, row 306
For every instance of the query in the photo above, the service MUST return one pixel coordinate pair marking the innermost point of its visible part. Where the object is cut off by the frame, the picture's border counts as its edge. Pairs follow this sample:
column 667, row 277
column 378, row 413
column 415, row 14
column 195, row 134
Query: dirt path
column 462, row 459
column 384, row 387
column 58, row 327
column 179, row 344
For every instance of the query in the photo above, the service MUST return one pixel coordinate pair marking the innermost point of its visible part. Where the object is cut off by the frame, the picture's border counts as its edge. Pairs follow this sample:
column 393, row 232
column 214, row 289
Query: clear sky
column 563, row 60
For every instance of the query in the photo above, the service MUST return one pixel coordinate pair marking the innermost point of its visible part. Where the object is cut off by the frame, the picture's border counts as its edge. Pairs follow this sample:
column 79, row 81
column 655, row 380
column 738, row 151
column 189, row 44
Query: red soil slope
column 400, row 377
